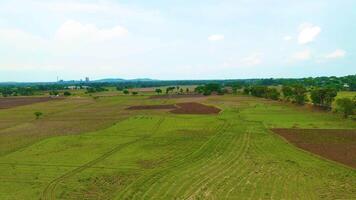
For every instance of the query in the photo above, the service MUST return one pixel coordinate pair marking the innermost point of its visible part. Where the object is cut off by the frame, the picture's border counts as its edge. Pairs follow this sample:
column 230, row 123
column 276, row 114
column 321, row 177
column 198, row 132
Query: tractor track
column 49, row 192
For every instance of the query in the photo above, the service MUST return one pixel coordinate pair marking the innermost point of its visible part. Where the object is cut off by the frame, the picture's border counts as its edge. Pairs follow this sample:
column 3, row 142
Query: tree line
column 298, row 94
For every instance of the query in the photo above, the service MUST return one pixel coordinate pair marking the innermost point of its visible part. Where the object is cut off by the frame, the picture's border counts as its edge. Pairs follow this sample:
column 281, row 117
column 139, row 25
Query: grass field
column 86, row 148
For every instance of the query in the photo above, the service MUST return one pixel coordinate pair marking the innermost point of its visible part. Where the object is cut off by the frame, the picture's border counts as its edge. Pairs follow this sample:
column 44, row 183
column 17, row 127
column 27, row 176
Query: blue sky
column 41, row 39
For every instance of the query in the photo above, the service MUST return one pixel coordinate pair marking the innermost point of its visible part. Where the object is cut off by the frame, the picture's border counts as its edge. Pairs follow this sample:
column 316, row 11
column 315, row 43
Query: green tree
column 346, row 106
column 247, row 90
column 323, row 97
column 66, row 93
column 169, row 89
column 287, row 92
column 299, row 94
column 38, row 114
column 126, row 91
column 272, row 93
column 134, row 93
column 54, row 93
column 259, row 91
column 158, row 91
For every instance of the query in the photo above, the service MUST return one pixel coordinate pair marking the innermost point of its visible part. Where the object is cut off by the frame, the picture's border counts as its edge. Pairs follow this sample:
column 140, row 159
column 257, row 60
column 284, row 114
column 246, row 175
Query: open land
column 10, row 102
column 86, row 148
column 335, row 144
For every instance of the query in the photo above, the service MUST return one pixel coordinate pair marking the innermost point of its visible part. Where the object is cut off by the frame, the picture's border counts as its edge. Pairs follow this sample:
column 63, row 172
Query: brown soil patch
column 175, row 96
column 334, row 144
column 195, row 108
column 152, row 107
column 10, row 102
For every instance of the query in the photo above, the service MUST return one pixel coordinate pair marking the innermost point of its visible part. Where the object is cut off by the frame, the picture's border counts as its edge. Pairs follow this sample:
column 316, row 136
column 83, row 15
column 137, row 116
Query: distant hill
column 108, row 80
column 114, row 80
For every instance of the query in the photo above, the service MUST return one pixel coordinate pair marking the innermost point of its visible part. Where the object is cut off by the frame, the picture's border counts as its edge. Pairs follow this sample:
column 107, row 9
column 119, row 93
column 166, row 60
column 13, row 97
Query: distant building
column 87, row 79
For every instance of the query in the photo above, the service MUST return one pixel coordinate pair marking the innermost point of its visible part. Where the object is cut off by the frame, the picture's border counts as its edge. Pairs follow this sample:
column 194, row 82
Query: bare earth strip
column 334, row 144
column 11, row 102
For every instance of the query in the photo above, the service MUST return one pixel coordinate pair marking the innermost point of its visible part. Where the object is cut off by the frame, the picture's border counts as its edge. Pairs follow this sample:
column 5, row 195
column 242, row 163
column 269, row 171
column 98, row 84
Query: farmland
column 123, row 147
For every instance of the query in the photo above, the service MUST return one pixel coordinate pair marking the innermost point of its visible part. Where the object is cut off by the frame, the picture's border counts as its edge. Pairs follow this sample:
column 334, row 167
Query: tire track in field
column 183, row 165
column 49, row 191
column 168, row 183
column 197, row 155
column 210, row 158
column 213, row 155
column 219, row 171
column 242, row 173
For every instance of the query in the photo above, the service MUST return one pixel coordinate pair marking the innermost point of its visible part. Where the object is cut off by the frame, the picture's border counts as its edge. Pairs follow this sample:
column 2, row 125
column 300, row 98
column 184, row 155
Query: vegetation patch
column 334, row 144
column 152, row 107
column 173, row 96
column 195, row 108
column 149, row 164
column 11, row 102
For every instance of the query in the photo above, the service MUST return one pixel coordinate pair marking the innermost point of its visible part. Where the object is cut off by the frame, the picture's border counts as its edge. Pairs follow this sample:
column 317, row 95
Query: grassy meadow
column 93, row 148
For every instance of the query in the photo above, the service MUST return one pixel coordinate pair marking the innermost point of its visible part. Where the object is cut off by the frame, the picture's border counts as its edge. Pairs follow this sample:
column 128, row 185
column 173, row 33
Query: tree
column 66, row 93
column 169, row 89
column 187, row 90
column 38, row 114
column 181, row 91
column 259, row 91
column 126, row 92
column 234, row 90
column 272, row 93
column 346, row 106
column 209, row 88
column 247, row 90
column 299, row 94
column 287, row 92
column 158, row 91
column 134, row 93
column 323, row 97
column 53, row 93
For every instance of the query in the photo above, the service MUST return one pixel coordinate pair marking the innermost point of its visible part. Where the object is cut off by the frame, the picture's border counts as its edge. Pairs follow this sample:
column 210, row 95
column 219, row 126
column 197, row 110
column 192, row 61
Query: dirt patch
column 334, row 144
column 195, row 108
column 149, row 164
column 175, row 96
column 152, row 107
column 10, row 102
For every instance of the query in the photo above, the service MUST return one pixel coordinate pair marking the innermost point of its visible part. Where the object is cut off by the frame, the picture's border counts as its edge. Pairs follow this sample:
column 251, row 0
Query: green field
column 86, row 148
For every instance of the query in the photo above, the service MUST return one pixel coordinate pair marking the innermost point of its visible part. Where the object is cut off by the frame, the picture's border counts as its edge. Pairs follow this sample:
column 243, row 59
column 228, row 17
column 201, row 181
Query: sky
column 41, row 40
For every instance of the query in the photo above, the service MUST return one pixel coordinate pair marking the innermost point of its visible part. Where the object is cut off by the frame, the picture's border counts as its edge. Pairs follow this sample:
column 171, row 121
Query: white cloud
column 17, row 39
column 72, row 31
column 307, row 33
column 287, row 38
column 76, row 7
column 338, row 53
column 216, row 37
column 254, row 59
column 302, row 55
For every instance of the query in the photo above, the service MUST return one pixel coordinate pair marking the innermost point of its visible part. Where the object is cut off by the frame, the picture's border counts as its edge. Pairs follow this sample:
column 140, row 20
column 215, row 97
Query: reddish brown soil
column 10, row 102
column 195, row 108
column 333, row 144
column 174, row 96
column 152, row 107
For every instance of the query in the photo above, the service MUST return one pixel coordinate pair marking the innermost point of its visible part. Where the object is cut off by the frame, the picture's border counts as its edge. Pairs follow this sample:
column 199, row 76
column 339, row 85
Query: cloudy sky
column 175, row 39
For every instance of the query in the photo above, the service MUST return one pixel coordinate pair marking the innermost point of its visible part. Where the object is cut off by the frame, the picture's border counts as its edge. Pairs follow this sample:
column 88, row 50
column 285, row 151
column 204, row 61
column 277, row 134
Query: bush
column 126, row 92
column 66, row 93
column 346, row 106
column 38, row 114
